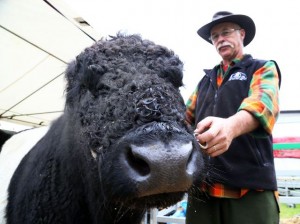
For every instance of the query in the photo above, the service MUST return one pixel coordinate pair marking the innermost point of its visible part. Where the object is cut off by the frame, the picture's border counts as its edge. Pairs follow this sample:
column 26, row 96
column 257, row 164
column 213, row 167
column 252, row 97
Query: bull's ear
column 91, row 77
column 174, row 75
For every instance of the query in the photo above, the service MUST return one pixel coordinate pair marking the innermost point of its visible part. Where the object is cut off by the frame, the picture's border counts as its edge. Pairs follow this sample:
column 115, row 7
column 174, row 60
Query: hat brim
column 243, row 21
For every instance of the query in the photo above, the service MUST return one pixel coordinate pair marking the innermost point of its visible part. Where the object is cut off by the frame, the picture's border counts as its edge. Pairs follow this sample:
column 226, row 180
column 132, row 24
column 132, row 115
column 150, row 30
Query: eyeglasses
column 224, row 33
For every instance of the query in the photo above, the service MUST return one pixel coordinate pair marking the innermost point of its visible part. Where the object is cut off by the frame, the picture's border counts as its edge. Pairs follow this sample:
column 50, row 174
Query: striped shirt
column 262, row 102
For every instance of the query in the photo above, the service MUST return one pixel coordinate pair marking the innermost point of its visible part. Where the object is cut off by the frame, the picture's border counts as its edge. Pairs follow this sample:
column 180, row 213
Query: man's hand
column 215, row 134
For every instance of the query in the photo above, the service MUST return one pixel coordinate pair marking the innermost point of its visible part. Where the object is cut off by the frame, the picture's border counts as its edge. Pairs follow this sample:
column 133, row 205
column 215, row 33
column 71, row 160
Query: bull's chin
column 154, row 201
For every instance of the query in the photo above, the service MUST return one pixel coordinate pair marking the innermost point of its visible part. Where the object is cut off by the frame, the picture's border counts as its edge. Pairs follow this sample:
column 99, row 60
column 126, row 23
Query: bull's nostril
column 137, row 163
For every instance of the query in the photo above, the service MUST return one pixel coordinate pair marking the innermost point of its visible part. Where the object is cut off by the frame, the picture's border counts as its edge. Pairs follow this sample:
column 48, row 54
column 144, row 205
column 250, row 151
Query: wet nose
column 161, row 167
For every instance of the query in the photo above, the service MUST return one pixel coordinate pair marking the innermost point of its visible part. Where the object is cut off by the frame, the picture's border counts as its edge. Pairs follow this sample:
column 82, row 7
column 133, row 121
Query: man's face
column 228, row 40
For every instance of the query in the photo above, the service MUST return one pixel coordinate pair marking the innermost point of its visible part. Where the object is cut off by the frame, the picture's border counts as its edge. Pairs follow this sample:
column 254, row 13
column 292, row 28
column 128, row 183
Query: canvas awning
column 37, row 39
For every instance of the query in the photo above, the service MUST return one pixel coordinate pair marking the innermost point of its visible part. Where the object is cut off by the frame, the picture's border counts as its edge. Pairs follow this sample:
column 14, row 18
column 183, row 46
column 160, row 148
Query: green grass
column 287, row 212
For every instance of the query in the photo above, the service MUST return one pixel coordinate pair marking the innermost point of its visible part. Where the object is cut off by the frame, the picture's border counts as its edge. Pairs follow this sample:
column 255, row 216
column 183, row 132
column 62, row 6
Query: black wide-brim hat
column 245, row 22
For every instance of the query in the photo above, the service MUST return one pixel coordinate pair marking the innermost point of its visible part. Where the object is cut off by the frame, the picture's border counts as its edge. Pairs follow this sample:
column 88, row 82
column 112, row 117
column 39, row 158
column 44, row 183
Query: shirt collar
column 234, row 61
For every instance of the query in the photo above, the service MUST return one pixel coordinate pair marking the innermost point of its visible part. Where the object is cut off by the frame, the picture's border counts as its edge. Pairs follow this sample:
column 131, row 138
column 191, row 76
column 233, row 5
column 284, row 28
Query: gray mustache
column 224, row 44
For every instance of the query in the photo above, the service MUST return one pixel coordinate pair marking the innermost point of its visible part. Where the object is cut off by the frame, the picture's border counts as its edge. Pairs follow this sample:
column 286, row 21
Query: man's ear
column 242, row 33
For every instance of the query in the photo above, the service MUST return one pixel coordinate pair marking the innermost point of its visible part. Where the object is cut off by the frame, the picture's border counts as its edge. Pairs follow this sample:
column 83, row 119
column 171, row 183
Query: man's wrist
column 242, row 122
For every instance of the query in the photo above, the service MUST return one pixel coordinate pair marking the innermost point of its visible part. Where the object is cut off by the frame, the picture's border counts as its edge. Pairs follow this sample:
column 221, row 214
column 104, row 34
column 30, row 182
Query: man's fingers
column 203, row 125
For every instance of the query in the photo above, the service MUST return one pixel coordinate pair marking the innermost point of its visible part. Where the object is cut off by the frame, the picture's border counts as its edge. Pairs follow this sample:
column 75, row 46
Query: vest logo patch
column 238, row 76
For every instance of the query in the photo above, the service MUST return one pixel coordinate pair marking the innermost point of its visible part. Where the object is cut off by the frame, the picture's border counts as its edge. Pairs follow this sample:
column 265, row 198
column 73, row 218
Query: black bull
column 122, row 145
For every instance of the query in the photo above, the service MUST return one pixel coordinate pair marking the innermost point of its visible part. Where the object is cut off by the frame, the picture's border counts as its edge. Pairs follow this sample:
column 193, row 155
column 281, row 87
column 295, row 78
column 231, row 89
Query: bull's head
column 124, row 102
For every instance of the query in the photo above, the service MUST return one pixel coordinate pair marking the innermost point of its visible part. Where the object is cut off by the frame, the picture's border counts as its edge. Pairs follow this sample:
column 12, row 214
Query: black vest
column 249, row 161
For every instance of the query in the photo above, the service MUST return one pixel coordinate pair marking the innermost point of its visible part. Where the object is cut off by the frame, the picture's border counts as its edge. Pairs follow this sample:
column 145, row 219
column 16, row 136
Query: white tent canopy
column 37, row 40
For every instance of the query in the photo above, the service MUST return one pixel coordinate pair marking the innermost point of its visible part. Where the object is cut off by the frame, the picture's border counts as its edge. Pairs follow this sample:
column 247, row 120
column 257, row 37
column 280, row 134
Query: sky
column 174, row 24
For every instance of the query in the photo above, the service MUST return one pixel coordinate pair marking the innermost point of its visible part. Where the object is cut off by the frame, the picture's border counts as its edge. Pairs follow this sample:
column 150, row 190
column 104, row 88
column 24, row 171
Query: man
column 233, row 111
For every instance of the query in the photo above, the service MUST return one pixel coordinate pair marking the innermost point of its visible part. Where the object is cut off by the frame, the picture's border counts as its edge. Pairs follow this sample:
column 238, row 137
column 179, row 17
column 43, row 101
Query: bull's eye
column 133, row 88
